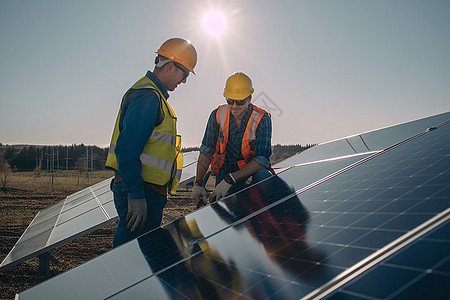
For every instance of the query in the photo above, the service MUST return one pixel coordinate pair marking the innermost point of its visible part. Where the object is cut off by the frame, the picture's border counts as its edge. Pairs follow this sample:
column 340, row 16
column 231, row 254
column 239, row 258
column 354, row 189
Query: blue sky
column 324, row 69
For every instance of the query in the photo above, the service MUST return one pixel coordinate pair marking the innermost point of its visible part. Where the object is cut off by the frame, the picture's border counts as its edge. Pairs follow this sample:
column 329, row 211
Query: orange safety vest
column 249, row 138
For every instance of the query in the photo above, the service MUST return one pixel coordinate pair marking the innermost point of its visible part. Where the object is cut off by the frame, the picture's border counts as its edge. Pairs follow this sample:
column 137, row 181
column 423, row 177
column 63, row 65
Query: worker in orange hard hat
column 145, row 148
column 236, row 144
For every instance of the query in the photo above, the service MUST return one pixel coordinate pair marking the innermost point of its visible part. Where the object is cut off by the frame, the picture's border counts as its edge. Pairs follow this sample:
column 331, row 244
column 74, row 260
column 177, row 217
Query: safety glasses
column 185, row 72
column 237, row 102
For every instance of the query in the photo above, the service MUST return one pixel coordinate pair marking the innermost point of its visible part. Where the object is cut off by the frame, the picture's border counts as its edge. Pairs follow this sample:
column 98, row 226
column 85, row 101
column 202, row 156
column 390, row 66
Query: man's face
column 179, row 75
column 238, row 107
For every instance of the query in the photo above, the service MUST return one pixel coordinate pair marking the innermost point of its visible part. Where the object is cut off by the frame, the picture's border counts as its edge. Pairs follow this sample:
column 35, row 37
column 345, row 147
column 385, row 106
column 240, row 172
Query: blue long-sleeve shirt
column 263, row 148
column 139, row 114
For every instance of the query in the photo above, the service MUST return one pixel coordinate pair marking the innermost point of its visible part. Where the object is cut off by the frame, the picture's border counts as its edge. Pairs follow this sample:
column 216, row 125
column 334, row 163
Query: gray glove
column 137, row 214
column 220, row 191
column 198, row 193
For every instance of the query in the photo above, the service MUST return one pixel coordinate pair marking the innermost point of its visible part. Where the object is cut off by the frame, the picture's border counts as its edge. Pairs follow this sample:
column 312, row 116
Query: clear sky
column 324, row 69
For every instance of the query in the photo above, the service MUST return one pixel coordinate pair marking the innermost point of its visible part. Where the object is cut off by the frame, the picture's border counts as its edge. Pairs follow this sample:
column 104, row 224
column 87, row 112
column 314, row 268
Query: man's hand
column 198, row 193
column 137, row 214
column 220, row 191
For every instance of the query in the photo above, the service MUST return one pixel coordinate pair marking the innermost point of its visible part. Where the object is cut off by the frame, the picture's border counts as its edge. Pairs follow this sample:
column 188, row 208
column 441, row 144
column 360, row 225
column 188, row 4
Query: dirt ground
column 17, row 210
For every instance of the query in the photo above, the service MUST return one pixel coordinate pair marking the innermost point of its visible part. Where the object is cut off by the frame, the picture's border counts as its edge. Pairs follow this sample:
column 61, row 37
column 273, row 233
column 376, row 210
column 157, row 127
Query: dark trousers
column 155, row 205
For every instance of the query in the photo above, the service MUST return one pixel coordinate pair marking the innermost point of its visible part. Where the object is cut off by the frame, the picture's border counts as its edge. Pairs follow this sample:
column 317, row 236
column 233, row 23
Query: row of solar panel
column 375, row 140
column 98, row 216
column 326, row 228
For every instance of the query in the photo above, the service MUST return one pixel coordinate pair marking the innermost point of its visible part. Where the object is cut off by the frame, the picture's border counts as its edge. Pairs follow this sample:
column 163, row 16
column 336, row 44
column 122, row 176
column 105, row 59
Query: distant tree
column 25, row 159
column 81, row 165
column 5, row 171
column 37, row 172
column 9, row 153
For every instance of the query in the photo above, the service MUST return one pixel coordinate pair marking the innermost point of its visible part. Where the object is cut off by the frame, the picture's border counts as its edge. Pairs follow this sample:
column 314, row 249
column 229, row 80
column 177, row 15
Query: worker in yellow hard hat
column 145, row 148
column 236, row 143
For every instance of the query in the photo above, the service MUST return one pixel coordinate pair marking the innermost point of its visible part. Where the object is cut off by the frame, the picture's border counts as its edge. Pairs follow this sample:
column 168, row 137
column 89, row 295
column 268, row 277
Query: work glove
column 220, row 191
column 198, row 193
column 137, row 214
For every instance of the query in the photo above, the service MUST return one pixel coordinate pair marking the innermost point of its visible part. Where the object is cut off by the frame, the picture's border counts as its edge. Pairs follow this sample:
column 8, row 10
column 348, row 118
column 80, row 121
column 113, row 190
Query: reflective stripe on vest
column 163, row 137
column 162, row 152
column 222, row 118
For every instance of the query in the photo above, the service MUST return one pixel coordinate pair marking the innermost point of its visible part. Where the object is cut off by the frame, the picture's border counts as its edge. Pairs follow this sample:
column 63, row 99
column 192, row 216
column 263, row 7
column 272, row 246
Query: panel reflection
column 266, row 223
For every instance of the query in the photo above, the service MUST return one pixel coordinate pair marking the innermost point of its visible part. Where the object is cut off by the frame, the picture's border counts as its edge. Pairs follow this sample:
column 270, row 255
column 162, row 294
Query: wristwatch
column 230, row 179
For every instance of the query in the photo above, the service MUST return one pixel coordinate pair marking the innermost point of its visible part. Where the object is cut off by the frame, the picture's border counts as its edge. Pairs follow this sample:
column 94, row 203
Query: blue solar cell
column 372, row 220
column 391, row 282
column 346, row 256
column 377, row 238
column 417, row 271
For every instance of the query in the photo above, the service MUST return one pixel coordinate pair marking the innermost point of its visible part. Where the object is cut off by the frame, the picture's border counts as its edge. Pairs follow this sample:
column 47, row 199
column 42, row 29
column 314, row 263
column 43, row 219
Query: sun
column 214, row 23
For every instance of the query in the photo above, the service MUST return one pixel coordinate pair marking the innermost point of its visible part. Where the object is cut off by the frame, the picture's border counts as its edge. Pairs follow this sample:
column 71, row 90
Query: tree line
column 91, row 158
column 50, row 158
column 281, row 152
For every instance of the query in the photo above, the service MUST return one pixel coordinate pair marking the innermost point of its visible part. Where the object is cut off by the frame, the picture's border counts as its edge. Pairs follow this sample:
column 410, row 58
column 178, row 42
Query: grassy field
column 58, row 181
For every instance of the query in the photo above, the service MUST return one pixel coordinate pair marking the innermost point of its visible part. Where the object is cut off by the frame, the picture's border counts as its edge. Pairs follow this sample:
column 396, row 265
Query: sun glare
column 214, row 23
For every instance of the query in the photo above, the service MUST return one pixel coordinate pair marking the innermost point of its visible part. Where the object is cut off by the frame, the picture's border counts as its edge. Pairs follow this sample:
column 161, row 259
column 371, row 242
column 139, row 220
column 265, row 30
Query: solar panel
column 375, row 140
column 189, row 168
column 324, row 229
column 417, row 271
column 80, row 213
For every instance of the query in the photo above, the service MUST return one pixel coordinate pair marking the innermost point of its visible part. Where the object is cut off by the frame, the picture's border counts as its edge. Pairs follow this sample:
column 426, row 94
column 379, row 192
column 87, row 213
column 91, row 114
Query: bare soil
column 17, row 210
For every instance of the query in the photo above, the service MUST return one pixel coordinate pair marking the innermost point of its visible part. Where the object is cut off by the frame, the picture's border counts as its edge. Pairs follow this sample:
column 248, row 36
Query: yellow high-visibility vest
column 162, row 160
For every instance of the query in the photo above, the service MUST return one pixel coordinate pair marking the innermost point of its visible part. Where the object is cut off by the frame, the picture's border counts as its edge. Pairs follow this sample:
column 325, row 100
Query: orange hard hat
column 181, row 51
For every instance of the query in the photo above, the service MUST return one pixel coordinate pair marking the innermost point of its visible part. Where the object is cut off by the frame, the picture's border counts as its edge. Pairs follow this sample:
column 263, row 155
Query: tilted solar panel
column 374, row 140
column 80, row 213
column 315, row 230
column 189, row 168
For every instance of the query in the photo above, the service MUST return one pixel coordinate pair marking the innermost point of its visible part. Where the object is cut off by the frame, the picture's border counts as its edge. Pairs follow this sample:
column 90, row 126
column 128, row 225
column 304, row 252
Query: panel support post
column 44, row 263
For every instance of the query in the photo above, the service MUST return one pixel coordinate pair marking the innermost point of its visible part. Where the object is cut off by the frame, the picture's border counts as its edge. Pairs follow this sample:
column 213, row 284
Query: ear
column 169, row 67
column 249, row 98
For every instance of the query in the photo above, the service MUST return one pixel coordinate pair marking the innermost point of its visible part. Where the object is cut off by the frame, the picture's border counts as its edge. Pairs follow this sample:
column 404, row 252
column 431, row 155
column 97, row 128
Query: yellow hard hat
column 238, row 87
column 180, row 51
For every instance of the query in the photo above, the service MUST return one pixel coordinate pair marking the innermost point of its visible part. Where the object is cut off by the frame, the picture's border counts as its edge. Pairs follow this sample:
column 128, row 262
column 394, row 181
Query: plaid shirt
column 263, row 148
